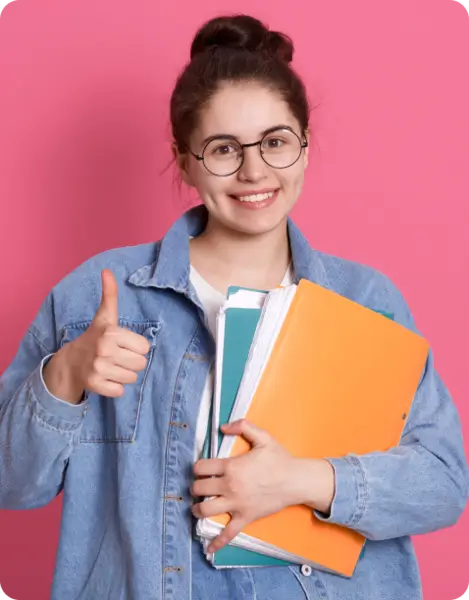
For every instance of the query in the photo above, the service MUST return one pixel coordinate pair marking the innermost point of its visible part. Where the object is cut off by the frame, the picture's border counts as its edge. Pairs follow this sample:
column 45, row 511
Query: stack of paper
column 326, row 377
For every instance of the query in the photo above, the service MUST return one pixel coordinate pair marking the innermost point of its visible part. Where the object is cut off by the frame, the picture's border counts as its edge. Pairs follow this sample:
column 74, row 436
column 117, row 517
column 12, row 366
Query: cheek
column 210, row 186
column 293, row 180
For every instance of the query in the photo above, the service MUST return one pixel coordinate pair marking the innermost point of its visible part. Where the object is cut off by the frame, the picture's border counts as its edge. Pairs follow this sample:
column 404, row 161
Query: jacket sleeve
column 419, row 486
column 38, row 431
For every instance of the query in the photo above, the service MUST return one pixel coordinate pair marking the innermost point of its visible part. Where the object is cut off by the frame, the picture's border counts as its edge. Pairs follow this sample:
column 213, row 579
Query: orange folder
column 341, row 379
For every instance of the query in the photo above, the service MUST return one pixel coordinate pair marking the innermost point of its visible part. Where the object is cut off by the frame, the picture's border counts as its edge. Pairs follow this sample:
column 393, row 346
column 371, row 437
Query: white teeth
column 255, row 197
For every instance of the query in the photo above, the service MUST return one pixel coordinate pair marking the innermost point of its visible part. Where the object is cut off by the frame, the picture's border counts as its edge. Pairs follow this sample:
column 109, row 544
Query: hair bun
column 242, row 32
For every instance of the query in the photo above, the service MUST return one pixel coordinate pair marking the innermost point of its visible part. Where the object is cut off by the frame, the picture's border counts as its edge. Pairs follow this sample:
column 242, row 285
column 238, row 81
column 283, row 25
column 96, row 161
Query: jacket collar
column 171, row 268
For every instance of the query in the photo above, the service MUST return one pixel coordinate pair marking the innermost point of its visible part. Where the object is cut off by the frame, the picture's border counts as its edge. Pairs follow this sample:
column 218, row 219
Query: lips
column 255, row 195
column 255, row 201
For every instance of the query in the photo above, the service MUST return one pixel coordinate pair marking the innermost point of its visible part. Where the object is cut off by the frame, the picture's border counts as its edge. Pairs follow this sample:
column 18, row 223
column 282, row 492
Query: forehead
column 243, row 110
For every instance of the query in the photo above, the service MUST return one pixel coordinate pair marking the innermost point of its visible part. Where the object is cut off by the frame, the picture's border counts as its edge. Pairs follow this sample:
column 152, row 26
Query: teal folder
column 240, row 327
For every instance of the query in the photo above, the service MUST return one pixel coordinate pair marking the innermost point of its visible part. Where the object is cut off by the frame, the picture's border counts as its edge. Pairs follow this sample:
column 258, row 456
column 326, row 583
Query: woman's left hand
column 261, row 482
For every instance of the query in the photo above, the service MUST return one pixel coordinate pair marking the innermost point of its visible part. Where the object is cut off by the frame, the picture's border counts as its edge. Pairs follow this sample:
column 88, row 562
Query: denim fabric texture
column 124, row 465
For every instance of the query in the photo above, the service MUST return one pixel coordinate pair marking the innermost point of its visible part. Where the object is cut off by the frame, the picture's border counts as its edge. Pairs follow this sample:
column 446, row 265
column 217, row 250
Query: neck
column 225, row 257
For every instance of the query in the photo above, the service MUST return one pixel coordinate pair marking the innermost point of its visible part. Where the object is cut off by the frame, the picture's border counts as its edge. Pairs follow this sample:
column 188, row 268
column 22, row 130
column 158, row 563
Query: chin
column 247, row 221
column 256, row 226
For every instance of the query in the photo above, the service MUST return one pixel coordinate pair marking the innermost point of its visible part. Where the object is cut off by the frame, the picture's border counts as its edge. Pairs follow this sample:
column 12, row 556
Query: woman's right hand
column 103, row 359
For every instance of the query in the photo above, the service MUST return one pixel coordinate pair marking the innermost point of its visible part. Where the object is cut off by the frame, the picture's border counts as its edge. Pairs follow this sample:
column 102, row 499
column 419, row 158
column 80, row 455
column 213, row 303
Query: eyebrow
column 230, row 136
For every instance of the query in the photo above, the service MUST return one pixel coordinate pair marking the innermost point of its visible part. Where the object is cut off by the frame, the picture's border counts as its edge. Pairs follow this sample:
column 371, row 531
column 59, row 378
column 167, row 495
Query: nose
column 254, row 168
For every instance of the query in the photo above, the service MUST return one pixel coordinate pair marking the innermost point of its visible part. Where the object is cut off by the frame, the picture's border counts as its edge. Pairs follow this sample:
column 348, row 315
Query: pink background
column 85, row 141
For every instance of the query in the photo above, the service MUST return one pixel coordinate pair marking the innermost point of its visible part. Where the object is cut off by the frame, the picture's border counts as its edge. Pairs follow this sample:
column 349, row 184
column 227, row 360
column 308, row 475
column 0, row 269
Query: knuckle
column 90, row 382
column 119, row 391
column 97, row 385
column 109, row 333
column 232, row 483
column 142, row 363
column 101, row 346
column 144, row 345
column 232, row 487
column 133, row 377
column 96, row 365
column 110, row 330
column 230, row 469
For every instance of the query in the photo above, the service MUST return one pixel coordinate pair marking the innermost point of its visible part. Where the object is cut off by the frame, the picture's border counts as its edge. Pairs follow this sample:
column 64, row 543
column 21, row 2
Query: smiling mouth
column 255, row 197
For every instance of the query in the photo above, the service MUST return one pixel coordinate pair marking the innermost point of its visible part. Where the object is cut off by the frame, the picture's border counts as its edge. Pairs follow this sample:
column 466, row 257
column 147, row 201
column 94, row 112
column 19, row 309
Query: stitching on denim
column 139, row 324
column 362, row 487
column 248, row 571
column 142, row 388
column 106, row 441
column 165, row 484
column 195, row 357
column 32, row 331
column 293, row 570
column 131, row 439
column 46, row 425
column 32, row 401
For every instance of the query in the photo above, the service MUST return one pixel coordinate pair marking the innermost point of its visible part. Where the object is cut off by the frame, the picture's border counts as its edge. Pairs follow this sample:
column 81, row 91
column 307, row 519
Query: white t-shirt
column 212, row 300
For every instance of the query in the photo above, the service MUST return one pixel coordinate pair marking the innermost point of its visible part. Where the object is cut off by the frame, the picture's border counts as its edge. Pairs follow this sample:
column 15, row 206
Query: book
column 350, row 375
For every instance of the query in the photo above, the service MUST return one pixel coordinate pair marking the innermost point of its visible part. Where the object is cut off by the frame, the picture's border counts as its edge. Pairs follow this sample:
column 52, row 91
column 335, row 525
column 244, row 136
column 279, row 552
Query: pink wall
column 84, row 91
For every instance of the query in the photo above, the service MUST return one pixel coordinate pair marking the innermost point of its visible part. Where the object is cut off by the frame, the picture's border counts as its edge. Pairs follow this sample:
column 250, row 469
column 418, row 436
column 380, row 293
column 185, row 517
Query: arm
column 38, row 431
column 419, row 486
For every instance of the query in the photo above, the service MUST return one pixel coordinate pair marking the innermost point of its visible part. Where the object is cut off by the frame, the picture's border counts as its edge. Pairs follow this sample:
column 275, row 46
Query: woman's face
column 245, row 111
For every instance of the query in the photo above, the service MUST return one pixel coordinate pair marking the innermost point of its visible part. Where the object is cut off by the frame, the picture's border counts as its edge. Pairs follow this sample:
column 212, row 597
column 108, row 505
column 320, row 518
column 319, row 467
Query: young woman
column 108, row 396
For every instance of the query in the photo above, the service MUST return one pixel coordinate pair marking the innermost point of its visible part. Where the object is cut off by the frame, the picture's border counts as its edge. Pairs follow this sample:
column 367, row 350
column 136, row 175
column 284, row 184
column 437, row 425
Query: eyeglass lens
column 279, row 149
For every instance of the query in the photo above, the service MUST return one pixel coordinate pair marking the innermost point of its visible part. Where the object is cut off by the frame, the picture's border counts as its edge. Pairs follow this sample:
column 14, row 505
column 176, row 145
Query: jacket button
column 306, row 570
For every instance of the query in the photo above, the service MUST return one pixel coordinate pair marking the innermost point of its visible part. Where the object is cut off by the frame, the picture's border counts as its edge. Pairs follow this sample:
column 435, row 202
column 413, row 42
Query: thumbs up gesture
column 103, row 359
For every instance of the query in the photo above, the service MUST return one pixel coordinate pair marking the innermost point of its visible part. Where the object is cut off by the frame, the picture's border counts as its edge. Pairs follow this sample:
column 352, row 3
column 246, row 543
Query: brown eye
column 225, row 149
column 273, row 143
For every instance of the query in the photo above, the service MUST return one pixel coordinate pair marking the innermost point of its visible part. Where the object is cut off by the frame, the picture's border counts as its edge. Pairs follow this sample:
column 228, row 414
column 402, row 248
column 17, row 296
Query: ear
column 306, row 150
column 181, row 159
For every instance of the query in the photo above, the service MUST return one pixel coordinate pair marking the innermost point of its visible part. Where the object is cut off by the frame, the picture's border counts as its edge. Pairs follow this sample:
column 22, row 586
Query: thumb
column 107, row 312
column 228, row 533
column 252, row 433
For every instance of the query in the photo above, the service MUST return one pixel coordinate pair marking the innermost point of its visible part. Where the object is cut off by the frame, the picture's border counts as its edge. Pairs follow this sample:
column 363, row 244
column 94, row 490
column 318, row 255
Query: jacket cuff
column 350, row 495
column 53, row 410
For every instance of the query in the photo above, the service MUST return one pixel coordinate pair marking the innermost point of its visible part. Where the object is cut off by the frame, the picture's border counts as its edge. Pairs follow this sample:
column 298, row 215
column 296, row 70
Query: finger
column 211, row 486
column 108, row 312
column 111, row 372
column 129, row 340
column 119, row 337
column 253, row 434
column 121, row 357
column 108, row 389
column 211, row 508
column 228, row 534
column 209, row 466
column 126, row 359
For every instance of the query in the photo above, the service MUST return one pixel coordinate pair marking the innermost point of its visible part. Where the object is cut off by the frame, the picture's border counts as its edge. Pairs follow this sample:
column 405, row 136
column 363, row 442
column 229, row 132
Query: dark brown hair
column 234, row 49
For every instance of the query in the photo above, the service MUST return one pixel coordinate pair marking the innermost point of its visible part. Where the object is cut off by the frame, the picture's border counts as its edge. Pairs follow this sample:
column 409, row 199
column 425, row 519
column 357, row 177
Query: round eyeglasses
column 280, row 148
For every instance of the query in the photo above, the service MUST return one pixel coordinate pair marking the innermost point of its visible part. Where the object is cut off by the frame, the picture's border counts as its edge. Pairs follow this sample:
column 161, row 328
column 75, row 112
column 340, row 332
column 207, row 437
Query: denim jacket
column 124, row 465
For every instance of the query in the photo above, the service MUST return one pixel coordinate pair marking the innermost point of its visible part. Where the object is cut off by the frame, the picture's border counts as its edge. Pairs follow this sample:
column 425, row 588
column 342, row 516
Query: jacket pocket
column 115, row 420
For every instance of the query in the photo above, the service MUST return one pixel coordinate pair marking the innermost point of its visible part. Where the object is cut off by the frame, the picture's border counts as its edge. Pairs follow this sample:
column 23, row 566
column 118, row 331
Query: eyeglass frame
column 200, row 157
